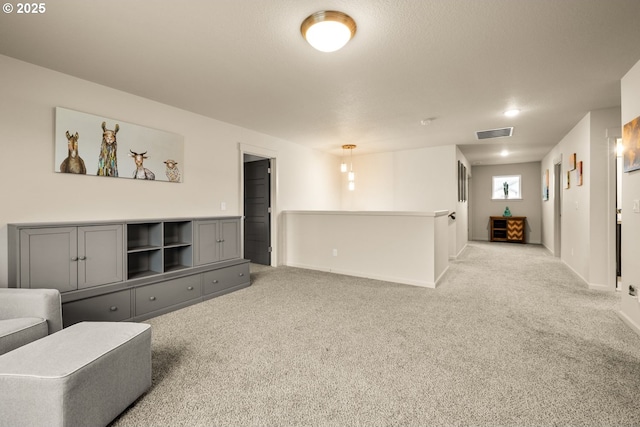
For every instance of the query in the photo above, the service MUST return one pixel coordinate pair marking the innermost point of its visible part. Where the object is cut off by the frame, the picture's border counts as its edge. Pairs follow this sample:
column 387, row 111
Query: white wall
column 630, row 306
column 422, row 180
column 602, row 220
column 460, row 226
column 401, row 247
column 530, row 206
column 585, row 227
column 32, row 192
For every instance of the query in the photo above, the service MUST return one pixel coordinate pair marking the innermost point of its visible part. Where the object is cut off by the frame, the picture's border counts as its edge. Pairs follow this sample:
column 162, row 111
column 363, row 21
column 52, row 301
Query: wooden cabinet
column 69, row 258
column 130, row 270
column 216, row 240
column 508, row 229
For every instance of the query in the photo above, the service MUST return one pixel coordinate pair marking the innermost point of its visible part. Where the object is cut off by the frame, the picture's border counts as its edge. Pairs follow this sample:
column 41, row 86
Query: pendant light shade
column 328, row 30
column 351, row 176
column 343, row 164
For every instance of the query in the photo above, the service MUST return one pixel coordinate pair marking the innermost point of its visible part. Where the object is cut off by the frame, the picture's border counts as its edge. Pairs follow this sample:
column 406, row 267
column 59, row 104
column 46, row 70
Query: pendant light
column 343, row 165
column 351, row 177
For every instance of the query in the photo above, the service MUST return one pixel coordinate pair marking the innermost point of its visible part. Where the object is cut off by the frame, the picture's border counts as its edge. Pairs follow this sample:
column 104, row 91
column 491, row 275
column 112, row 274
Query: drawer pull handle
column 152, row 298
column 241, row 274
column 214, row 281
column 190, row 288
column 75, row 258
column 82, row 258
column 113, row 308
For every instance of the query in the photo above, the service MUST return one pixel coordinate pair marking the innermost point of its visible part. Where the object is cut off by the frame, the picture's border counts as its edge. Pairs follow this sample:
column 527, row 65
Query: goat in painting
column 141, row 172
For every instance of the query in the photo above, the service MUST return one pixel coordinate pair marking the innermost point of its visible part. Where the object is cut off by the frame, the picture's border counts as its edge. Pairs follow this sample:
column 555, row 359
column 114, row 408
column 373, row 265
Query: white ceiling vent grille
column 494, row 133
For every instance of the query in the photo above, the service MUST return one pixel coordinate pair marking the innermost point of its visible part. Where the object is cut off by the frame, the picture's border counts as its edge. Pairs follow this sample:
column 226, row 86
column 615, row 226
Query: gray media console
column 128, row 270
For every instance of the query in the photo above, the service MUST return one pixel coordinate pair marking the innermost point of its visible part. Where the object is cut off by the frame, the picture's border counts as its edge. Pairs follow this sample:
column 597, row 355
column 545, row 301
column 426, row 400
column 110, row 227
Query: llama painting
column 108, row 159
column 73, row 163
column 107, row 144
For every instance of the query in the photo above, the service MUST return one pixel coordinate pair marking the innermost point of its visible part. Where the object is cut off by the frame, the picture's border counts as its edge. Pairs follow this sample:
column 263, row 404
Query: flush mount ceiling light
column 328, row 30
column 512, row 113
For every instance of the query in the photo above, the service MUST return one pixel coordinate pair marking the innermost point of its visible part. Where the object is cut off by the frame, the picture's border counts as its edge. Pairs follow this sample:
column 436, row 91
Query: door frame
column 612, row 135
column 273, row 156
column 558, row 186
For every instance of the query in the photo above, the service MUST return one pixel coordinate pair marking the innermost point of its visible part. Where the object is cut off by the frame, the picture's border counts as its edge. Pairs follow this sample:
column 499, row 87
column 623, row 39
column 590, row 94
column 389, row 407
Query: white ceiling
column 244, row 62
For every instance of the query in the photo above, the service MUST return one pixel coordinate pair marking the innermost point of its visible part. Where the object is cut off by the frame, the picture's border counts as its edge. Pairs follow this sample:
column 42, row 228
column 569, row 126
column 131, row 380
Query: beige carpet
column 510, row 337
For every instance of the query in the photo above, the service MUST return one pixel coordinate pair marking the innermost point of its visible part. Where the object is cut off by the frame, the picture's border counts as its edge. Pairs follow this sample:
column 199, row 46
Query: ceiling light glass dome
column 328, row 31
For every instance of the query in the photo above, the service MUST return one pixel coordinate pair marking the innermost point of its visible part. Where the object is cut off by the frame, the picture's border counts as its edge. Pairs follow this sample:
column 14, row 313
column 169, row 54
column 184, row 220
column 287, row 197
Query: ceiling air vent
column 494, row 133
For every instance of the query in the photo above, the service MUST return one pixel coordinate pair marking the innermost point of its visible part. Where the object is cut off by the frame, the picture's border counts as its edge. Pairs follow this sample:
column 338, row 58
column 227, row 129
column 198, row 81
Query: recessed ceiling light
column 512, row 113
column 328, row 30
column 504, row 153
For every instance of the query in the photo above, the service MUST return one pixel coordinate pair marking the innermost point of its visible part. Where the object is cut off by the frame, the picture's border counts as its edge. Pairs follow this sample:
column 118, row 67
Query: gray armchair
column 27, row 315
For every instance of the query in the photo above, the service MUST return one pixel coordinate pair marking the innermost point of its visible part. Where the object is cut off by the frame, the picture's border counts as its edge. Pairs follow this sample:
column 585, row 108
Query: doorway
column 257, row 209
column 618, row 218
column 557, row 209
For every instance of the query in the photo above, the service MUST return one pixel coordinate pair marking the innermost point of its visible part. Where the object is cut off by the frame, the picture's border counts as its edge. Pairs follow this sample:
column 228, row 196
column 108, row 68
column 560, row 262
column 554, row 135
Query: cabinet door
column 230, row 239
column 49, row 258
column 206, row 242
column 515, row 230
column 100, row 255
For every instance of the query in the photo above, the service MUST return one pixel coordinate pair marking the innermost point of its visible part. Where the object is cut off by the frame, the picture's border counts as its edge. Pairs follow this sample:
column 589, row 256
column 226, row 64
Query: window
column 506, row 187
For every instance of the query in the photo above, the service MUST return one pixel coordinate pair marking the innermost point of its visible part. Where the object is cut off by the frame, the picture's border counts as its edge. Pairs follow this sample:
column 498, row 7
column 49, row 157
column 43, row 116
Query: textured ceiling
column 244, row 62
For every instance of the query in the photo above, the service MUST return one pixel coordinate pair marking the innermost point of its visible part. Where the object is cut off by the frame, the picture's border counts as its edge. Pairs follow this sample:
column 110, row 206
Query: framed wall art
column 462, row 182
column 631, row 144
column 579, row 173
column 86, row 144
column 572, row 161
column 506, row 187
column 459, row 181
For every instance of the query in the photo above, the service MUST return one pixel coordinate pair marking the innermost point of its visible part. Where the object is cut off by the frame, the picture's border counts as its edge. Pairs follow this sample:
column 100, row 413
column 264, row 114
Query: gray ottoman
column 84, row 375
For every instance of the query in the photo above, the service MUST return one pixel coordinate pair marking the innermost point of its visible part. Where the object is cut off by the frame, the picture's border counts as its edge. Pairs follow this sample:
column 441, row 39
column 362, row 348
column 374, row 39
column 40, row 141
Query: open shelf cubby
column 178, row 258
column 178, row 233
column 142, row 236
column 159, row 247
column 144, row 263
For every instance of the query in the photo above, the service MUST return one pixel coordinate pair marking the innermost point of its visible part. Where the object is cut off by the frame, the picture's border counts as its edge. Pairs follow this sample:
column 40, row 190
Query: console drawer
column 164, row 294
column 225, row 278
column 112, row 307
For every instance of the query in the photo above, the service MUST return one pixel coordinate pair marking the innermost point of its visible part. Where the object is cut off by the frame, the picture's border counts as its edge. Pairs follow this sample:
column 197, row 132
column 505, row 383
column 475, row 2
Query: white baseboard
column 592, row 286
column 629, row 322
column 600, row 287
column 455, row 257
column 393, row 279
